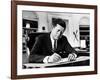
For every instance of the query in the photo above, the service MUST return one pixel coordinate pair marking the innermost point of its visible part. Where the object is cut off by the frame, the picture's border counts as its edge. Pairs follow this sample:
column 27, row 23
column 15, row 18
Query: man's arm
column 72, row 54
column 68, row 48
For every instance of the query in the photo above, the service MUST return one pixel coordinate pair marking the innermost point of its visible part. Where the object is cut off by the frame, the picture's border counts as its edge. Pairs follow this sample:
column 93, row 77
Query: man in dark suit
column 53, row 46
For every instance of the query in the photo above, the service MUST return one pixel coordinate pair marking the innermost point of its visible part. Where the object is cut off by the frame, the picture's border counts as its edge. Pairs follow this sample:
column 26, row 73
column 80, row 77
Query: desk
column 80, row 61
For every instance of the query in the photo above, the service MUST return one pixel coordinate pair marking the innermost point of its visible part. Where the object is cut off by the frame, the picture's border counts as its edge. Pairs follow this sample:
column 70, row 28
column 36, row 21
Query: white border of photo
column 21, row 71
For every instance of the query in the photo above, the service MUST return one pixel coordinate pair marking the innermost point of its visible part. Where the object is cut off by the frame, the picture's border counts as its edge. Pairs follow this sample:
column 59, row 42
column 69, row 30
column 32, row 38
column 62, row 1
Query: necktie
column 55, row 45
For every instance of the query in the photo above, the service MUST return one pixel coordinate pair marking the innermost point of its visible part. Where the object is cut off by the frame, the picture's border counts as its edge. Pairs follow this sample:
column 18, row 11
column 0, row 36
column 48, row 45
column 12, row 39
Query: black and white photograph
column 53, row 39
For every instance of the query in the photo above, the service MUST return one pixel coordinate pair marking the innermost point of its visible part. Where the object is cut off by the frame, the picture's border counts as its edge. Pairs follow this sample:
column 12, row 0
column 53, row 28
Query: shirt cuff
column 45, row 60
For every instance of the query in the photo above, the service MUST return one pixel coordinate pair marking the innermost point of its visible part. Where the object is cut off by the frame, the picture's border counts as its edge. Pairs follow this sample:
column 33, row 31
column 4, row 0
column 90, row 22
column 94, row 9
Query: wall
column 42, row 21
column 73, row 20
column 5, row 41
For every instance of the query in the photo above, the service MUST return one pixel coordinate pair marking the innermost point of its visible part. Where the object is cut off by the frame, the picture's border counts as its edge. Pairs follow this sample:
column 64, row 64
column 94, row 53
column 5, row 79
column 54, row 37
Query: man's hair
column 59, row 21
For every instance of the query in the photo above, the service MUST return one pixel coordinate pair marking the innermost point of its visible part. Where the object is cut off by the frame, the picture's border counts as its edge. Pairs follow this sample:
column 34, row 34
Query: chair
column 29, row 45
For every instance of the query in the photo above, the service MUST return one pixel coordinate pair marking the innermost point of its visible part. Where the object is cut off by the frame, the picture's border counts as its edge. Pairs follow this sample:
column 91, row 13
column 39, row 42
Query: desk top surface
column 63, row 61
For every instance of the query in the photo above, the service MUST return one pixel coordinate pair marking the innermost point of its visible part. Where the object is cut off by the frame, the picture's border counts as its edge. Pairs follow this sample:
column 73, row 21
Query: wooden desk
column 80, row 61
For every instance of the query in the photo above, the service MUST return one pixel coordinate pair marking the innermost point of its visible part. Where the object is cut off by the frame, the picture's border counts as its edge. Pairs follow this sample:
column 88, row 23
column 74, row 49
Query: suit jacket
column 43, row 48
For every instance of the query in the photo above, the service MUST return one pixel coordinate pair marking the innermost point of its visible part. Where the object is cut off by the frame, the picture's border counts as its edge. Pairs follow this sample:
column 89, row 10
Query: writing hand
column 72, row 57
column 54, row 58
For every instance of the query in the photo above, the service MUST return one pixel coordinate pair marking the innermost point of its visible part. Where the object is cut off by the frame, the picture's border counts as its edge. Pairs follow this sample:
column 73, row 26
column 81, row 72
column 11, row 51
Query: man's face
column 57, row 31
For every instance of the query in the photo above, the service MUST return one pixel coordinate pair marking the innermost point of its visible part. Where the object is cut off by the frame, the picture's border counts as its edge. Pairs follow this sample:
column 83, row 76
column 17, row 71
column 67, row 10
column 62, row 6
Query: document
column 62, row 61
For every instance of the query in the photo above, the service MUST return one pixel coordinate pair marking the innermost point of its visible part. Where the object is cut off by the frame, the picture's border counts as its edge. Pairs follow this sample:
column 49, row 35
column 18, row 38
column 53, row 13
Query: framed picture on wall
column 30, row 50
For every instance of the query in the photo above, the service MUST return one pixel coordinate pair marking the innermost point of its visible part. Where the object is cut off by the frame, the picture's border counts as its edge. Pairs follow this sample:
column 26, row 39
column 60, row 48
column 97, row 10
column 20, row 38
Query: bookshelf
column 85, row 35
column 29, row 26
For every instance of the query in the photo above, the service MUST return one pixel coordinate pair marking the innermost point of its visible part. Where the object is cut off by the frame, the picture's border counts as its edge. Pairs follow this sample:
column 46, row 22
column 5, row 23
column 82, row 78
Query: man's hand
column 72, row 57
column 54, row 58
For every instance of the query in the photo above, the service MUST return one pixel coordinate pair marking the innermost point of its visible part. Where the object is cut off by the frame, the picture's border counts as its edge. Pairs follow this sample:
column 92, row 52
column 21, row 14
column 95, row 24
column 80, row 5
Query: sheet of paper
column 63, row 61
